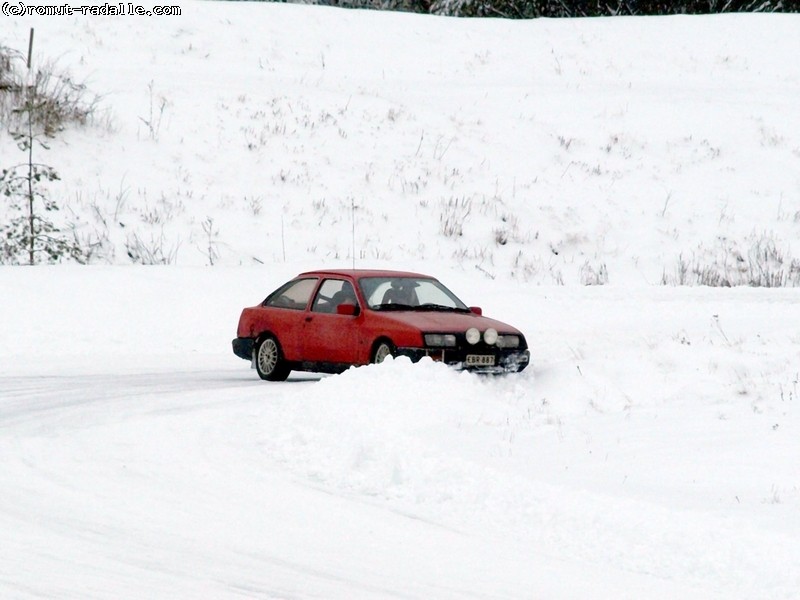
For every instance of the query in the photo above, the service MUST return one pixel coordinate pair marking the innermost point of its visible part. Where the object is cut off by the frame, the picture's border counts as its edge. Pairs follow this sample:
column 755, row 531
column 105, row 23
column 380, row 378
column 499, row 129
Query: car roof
column 359, row 273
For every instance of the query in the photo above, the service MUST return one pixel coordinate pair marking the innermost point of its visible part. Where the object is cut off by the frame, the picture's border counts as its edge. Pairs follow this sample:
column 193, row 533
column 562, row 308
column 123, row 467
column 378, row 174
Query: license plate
column 480, row 359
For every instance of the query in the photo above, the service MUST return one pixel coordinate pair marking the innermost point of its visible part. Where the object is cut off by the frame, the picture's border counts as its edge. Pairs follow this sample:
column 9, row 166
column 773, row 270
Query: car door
column 327, row 336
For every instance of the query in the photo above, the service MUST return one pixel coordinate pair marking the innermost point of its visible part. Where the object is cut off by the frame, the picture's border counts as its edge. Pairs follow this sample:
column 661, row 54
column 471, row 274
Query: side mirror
column 347, row 309
column 476, row 310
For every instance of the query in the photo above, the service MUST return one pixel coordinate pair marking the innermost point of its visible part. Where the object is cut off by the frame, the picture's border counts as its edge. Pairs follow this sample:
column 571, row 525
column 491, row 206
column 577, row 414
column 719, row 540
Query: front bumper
column 506, row 360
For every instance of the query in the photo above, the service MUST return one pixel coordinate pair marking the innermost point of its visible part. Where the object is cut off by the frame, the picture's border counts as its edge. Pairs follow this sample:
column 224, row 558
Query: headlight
column 490, row 336
column 473, row 335
column 440, row 339
column 508, row 341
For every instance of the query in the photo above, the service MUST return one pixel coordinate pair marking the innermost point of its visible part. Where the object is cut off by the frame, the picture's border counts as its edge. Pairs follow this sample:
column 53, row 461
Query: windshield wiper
column 438, row 307
column 393, row 306
column 419, row 307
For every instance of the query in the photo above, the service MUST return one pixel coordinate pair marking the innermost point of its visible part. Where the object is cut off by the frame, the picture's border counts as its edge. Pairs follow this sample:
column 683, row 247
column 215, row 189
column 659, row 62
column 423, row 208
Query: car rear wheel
column 270, row 364
column 382, row 350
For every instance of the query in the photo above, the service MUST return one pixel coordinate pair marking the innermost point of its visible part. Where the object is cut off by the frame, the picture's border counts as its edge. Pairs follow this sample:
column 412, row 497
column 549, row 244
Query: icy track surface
column 651, row 452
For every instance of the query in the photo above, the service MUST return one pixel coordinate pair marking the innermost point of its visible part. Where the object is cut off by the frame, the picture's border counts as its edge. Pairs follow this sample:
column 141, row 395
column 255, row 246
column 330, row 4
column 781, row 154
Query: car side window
column 294, row 295
column 331, row 294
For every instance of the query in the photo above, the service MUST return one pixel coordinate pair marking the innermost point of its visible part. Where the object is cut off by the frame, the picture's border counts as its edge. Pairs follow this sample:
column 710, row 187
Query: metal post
column 30, row 49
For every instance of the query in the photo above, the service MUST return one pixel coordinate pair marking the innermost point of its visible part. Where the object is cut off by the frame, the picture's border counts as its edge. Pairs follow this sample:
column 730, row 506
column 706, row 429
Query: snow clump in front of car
column 376, row 429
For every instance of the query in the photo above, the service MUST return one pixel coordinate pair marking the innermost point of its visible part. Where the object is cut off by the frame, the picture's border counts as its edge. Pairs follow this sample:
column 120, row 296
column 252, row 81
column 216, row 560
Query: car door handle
column 309, row 319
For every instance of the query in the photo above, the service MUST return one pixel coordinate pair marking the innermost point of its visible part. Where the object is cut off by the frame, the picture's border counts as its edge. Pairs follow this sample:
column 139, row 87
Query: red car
column 327, row 321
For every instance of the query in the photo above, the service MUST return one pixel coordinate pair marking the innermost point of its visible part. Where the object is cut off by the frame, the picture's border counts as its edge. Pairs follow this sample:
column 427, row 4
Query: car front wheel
column 382, row 350
column 270, row 364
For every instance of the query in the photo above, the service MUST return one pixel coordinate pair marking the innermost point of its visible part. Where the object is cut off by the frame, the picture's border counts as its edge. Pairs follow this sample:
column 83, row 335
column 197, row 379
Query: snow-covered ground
column 651, row 451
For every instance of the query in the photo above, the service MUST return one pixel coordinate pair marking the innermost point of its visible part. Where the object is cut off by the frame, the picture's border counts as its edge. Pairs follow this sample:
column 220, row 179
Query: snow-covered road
column 190, row 484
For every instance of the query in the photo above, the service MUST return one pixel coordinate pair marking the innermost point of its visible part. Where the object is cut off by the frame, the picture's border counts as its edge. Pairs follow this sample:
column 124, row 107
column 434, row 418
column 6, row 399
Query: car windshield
column 409, row 293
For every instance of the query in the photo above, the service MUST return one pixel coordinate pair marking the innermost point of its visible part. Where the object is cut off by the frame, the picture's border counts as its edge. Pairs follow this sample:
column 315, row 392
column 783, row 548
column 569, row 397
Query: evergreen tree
column 31, row 236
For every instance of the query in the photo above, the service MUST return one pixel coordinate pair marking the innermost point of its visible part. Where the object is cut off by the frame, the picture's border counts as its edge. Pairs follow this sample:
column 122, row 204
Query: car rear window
column 294, row 295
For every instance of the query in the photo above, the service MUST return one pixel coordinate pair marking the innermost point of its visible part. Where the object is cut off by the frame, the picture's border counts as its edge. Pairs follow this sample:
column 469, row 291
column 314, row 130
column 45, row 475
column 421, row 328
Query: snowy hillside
column 545, row 150
column 650, row 451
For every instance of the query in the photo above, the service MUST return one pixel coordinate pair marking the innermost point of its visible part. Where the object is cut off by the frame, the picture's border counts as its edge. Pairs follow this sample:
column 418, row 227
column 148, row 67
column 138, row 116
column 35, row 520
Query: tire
column 270, row 364
column 383, row 349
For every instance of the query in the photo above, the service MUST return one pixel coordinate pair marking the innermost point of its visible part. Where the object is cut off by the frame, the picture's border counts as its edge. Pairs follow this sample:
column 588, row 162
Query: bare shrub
column 510, row 232
column 153, row 251
column 60, row 100
column 94, row 243
column 501, row 236
column 255, row 204
column 536, row 270
column 211, row 239
column 162, row 211
column 158, row 104
column 594, row 276
column 762, row 263
column 452, row 216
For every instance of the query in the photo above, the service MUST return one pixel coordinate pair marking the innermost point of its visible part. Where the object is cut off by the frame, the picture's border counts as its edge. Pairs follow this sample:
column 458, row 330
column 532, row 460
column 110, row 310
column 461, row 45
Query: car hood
column 446, row 322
